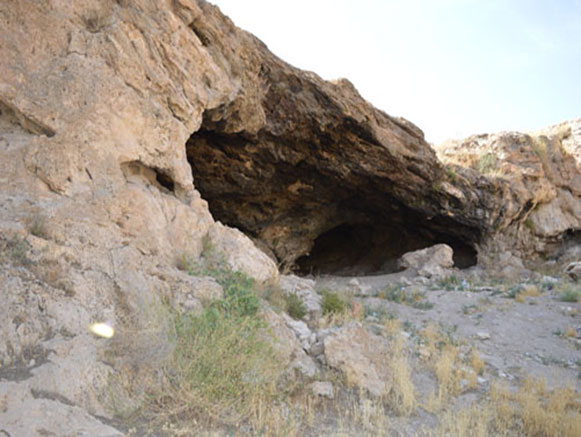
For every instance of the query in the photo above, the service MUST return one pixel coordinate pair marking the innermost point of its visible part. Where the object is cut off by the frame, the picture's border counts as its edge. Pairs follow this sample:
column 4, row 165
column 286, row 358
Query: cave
column 323, row 182
column 332, row 227
column 354, row 249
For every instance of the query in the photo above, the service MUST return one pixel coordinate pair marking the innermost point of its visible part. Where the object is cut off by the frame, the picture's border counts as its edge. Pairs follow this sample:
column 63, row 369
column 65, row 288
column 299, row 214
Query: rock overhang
column 311, row 199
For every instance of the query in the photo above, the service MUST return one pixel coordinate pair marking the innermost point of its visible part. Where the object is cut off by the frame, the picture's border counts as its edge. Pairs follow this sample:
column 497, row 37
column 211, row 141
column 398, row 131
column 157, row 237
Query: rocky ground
column 521, row 330
column 536, row 335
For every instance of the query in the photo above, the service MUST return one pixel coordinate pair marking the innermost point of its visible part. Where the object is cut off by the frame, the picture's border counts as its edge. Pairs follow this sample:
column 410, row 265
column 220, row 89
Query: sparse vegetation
column 451, row 173
column 529, row 224
column 487, row 163
column 451, row 283
column 412, row 297
column 295, row 307
column 333, row 303
column 520, row 292
column 15, row 249
column 532, row 410
column 441, row 353
column 570, row 293
column 402, row 397
column 224, row 366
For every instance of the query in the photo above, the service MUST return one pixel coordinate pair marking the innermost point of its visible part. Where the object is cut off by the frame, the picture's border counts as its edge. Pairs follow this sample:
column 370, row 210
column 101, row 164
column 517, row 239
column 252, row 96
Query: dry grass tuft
column 532, row 410
column 443, row 359
column 477, row 363
column 340, row 309
column 402, row 397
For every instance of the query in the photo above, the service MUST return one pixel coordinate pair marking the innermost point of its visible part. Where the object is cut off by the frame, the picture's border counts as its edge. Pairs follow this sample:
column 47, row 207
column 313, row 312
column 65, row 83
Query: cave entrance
column 354, row 249
column 291, row 202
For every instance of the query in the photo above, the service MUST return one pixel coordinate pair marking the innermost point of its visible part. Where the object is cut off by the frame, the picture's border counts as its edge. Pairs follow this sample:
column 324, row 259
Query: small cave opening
column 360, row 249
column 564, row 246
column 164, row 180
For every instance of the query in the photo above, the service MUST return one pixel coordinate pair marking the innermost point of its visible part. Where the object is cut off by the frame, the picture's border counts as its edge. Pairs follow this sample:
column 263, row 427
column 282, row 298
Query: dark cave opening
column 367, row 250
column 289, row 205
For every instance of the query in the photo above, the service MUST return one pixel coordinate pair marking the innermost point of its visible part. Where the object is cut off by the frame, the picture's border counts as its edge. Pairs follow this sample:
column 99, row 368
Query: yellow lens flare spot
column 102, row 330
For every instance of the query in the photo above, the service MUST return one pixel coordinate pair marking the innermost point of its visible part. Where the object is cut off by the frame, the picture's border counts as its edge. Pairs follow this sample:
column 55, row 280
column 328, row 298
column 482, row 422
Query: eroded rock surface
column 97, row 206
column 542, row 172
column 432, row 262
column 361, row 357
column 310, row 168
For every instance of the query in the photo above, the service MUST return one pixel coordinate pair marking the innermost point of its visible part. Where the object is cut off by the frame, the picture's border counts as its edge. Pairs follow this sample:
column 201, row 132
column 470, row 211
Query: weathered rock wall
column 292, row 157
column 543, row 170
column 97, row 101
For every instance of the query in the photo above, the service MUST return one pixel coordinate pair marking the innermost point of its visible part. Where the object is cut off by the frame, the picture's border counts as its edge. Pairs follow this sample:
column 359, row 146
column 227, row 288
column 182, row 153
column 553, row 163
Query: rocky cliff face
column 542, row 171
column 307, row 166
column 107, row 109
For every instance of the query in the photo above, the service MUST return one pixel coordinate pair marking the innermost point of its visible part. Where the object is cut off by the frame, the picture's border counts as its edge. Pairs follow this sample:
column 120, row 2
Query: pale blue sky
column 453, row 67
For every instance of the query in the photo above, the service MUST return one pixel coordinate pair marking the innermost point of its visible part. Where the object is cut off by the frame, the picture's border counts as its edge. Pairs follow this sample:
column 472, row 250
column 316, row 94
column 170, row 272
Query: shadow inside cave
column 355, row 250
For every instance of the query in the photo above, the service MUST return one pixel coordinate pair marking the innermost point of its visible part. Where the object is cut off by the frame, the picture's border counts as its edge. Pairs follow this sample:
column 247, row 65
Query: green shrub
column 295, row 307
column 239, row 288
column 224, row 366
column 16, row 249
column 333, row 303
column 513, row 291
column 399, row 294
column 570, row 294
column 38, row 226
column 240, row 297
column 451, row 283
column 487, row 163
column 451, row 172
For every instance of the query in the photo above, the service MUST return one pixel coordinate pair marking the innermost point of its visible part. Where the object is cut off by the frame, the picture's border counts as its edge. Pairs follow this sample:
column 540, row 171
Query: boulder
column 361, row 357
column 573, row 270
column 303, row 288
column 302, row 332
column 287, row 345
column 432, row 262
column 322, row 388
column 241, row 254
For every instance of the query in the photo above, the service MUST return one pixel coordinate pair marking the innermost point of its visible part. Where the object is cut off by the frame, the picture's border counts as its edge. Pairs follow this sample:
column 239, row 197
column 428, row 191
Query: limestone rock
column 241, row 254
column 431, row 262
column 289, row 348
column 538, row 177
column 323, row 389
column 27, row 413
column 108, row 110
column 573, row 270
column 73, row 372
column 507, row 265
column 184, row 286
column 360, row 356
column 302, row 332
column 305, row 289
column 292, row 158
